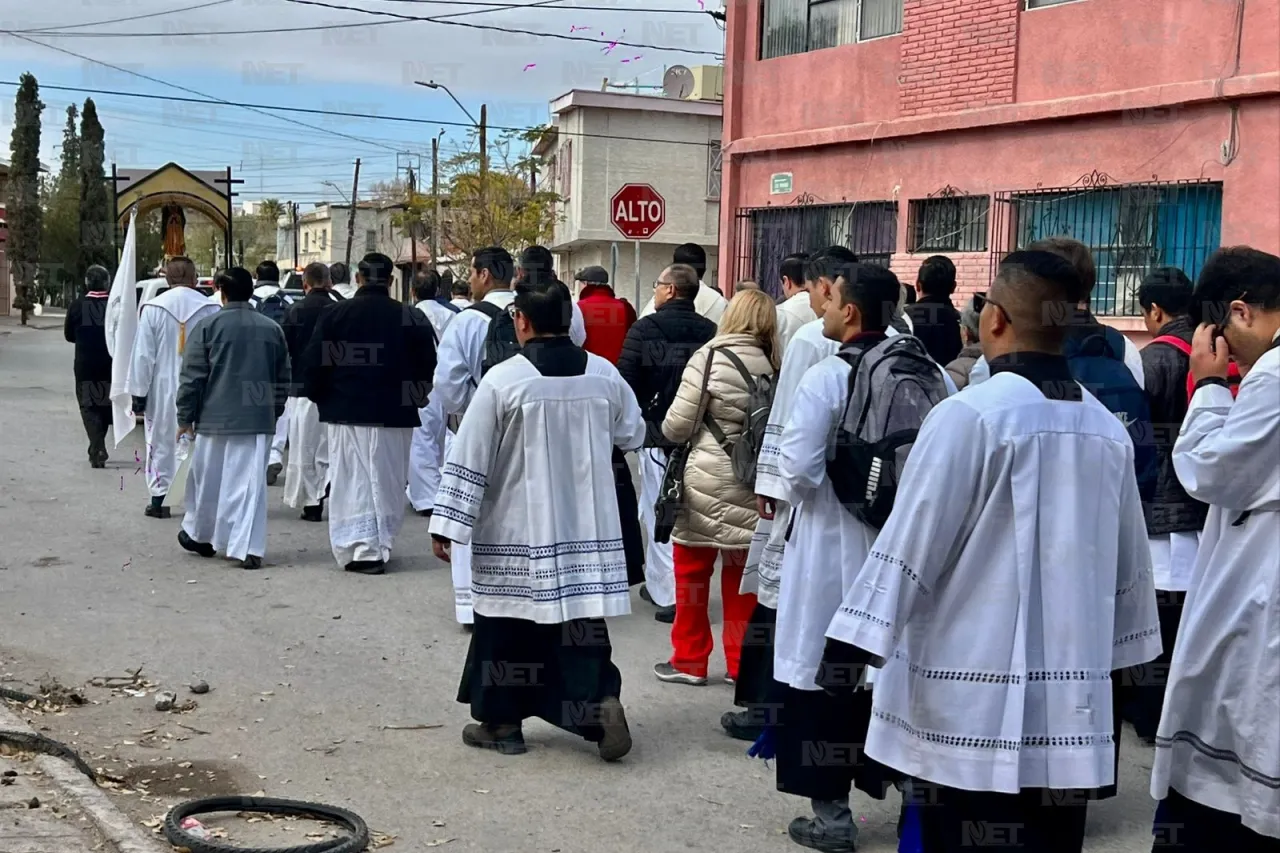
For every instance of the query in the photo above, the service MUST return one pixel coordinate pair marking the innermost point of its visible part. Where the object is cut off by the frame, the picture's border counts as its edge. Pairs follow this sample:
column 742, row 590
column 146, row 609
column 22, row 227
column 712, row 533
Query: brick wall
column 957, row 54
column 973, row 272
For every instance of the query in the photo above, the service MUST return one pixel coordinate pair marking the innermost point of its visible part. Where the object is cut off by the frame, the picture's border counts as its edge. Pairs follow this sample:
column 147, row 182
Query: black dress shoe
column 666, row 615
column 367, row 567
column 95, row 462
column 251, row 562
column 204, row 549
column 736, row 725
column 644, row 594
column 153, row 511
column 273, row 473
column 426, row 513
column 313, row 513
column 508, row 740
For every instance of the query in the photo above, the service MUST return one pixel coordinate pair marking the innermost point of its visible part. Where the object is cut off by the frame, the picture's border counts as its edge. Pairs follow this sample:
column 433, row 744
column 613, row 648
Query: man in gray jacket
column 234, row 382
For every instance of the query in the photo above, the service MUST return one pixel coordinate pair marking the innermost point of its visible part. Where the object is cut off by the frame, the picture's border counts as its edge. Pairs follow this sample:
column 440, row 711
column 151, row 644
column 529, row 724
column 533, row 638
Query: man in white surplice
column 997, row 621
column 528, row 483
column 806, row 347
column 235, row 379
column 794, row 310
column 458, row 373
column 163, row 327
column 1217, row 762
column 858, row 310
column 368, row 369
column 430, row 439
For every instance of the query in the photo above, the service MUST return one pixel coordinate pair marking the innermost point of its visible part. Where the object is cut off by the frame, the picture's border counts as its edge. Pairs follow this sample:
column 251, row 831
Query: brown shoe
column 617, row 737
column 509, row 740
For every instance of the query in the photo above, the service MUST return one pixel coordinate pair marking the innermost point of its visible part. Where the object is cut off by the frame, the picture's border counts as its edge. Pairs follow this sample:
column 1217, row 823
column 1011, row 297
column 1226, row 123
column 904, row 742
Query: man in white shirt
column 521, row 485
column 794, row 310
column 1217, row 761
column 429, row 440
column 536, row 264
column 163, row 328
column 1011, row 579
column 340, row 275
column 460, row 290
column 459, row 367
column 710, row 302
column 267, row 287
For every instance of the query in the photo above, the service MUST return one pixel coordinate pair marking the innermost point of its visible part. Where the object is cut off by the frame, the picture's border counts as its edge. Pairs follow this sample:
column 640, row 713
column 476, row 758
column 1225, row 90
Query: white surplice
column 827, row 544
column 427, row 451
column 1219, row 737
column 281, row 438
column 368, row 469
column 792, row 314
column 763, row 571
column 659, row 557
column 458, row 362
column 164, row 326
column 226, row 494
column 1010, row 580
column 307, row 473
column 1173, row 559
column 709, row 303
column 528, row 483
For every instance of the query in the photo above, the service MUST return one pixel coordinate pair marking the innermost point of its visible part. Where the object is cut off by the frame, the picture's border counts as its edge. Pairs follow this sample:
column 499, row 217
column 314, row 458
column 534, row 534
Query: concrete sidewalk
column 48, row 806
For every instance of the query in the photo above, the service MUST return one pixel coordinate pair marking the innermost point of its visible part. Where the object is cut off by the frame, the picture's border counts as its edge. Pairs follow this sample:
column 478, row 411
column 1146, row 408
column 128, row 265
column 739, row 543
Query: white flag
column 121, row 328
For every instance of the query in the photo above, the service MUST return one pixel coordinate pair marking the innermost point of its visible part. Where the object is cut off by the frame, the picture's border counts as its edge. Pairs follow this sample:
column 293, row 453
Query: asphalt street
column 317, row 674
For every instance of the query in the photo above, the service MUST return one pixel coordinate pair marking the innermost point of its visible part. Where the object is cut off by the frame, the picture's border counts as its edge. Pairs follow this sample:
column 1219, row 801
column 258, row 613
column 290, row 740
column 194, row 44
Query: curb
column 114, row 824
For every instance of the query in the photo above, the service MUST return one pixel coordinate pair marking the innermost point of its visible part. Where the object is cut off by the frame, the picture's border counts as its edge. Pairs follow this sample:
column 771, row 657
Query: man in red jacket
column 606, row 317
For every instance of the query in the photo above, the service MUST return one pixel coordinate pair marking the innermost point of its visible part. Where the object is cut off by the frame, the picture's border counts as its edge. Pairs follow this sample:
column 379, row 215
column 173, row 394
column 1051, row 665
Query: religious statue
column 175, row 222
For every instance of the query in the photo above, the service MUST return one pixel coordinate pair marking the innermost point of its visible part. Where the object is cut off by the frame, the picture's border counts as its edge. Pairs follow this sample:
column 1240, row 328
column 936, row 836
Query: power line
column 310, row 111
column 50, row 30
column 511, row 30
column 192, row 91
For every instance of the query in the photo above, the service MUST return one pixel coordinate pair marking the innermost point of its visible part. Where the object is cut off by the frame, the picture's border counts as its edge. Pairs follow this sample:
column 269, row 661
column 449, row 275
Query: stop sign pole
column 637, row 211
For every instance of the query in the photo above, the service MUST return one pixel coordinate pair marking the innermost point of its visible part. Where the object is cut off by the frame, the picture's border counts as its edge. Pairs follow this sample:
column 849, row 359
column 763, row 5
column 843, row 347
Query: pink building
column 1149, row 129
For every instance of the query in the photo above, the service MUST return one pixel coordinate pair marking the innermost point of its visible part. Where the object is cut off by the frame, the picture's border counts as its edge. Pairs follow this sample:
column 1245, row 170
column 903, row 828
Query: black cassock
column 629, row 514
column 85, row 326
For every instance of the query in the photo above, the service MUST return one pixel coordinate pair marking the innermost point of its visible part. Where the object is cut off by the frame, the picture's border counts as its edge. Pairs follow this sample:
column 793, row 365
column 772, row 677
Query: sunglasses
column 981, row 301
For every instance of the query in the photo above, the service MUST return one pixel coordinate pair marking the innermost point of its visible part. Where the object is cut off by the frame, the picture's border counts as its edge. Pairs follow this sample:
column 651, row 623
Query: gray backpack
column 892, row 387
column 745, row 449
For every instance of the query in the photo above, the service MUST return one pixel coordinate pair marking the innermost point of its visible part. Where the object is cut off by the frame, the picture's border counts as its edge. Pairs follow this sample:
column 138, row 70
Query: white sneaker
column 668, row 673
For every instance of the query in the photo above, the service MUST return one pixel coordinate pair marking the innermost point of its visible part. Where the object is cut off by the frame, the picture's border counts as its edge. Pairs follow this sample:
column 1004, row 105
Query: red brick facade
column 957, row 54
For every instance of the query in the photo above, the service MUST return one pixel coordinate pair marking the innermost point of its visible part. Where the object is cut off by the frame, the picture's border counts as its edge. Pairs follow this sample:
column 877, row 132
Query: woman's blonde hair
column 752, row 312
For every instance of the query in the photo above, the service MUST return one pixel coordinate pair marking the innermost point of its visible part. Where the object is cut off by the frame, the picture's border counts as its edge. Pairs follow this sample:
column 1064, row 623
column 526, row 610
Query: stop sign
column 638, row 211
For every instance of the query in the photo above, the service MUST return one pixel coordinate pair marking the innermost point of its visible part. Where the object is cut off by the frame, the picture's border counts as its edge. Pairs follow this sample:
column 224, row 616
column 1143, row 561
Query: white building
column 601, row 141
column 322, row 233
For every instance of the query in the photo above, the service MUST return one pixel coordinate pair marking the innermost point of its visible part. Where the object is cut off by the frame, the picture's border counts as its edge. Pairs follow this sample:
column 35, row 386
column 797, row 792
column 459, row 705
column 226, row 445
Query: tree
column 23, row 209
column 271, row 210
column 97, row 219
column 60, row 243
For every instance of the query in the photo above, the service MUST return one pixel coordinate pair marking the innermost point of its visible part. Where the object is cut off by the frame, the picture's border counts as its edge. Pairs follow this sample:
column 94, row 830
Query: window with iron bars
column 798, row 26
column 1130, row 228
column 766, row 235
column 953, row 223
column 714, row 161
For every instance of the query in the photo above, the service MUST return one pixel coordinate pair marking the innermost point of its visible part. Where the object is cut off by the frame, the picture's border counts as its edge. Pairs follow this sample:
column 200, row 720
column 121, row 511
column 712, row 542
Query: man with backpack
column 1174, row 518
column 852, row 421
column 429, row 440
column 478, row 338
column 270, row 301
column 654, row 354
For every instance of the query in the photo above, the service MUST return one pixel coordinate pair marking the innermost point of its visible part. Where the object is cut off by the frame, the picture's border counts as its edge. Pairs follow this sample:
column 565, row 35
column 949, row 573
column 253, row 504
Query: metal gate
column 766, row 235
column 1130, row 228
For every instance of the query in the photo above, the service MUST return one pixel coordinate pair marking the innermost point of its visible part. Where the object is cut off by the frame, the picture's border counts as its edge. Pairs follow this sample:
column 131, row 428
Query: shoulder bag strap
column 710, row 422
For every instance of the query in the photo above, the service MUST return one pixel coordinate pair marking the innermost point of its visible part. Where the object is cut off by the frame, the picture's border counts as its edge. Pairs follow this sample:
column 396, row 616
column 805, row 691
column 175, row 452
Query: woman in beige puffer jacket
column 719, row 515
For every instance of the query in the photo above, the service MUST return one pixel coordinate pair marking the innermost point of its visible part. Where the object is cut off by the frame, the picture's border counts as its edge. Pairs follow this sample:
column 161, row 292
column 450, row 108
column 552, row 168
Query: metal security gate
column 766, row 235
column 1131, row 229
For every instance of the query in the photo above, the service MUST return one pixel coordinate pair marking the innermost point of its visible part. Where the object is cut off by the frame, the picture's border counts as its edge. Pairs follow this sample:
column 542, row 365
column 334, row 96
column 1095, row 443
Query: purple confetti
column 531, row 65
column 122, row 482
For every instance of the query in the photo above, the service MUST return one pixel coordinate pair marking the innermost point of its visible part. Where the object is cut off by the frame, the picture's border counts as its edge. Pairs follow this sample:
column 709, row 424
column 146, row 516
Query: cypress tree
column 97, row 219
column 23, row 210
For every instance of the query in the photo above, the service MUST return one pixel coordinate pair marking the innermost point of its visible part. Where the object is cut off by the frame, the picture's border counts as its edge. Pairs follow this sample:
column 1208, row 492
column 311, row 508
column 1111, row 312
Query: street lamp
column 479, row 125
column 432, row 84
column 338, row 188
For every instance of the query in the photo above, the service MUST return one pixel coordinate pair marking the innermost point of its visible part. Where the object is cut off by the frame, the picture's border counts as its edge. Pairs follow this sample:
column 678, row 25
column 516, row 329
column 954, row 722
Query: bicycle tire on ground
column 179, row 837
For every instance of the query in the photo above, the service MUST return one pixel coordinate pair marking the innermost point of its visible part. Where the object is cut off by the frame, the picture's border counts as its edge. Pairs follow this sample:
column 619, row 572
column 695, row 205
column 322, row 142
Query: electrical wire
column 311, row 111
column 181, row 88
column 510, row 30
column 503, row 6
column 61, row 27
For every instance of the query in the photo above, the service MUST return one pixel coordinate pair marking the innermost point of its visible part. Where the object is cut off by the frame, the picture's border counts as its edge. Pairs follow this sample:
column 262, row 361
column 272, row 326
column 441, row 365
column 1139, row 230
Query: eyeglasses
column 658, row 284
column 981, row 300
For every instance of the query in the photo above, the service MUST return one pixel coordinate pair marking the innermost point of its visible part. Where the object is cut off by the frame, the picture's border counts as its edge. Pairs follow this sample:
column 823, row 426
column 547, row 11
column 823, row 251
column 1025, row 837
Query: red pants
column 691, row 633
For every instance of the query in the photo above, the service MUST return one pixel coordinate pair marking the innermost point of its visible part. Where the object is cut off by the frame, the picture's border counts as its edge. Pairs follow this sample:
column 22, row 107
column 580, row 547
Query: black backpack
column 274, row 306
column 500, row 342
column 892, row 387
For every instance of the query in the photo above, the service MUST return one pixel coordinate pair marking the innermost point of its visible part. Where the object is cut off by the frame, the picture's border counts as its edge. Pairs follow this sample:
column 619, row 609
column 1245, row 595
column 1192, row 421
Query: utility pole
column 533, row 176
column 293, row 215
column 351, row 213
column 436, row 225
column 484, row 149
column 414, row 221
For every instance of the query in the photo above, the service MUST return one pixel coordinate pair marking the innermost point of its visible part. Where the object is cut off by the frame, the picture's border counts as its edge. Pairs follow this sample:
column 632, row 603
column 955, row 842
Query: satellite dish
column 677, row 82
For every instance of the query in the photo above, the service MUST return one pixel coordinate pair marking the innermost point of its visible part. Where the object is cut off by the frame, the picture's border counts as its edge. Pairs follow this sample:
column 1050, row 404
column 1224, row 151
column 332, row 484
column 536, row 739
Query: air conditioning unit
column 708, row 83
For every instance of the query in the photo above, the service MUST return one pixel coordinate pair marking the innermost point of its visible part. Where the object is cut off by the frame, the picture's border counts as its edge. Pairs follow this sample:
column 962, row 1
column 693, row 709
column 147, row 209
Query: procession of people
column 957, row 547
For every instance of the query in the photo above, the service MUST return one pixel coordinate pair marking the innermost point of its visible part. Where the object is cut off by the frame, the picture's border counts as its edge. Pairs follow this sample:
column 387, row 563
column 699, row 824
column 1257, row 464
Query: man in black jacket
column 85, row 327
column 1174, row 518
column 307, row 477
column 368, row 368
column 934, row 320
column 654, row 355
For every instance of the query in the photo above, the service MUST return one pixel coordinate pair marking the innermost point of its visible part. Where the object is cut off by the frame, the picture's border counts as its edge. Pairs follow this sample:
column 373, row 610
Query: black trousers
column 518, row 669
column 1145, row 685
column 94, row 399
column 1035, row 820
column 1185, row 826
column 629, row 514
column 754, row 687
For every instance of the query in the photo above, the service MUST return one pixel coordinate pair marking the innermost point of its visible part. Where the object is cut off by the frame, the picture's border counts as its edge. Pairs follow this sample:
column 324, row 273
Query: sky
column 368, row 69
